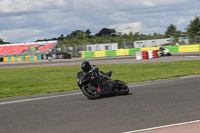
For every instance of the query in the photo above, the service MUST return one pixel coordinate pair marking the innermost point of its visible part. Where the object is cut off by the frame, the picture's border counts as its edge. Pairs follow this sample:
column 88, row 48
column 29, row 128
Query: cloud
column 149, row 4
column 180, row 21
column 29, row 34
column 8, row 6
column 22, row 20
column 127, row 27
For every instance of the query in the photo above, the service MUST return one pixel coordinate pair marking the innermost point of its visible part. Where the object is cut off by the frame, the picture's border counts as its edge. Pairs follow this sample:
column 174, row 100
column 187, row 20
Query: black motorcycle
column 94, row 85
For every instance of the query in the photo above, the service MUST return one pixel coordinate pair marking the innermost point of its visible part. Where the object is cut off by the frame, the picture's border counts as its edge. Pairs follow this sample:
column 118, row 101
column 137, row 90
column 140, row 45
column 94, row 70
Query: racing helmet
column 86, row 67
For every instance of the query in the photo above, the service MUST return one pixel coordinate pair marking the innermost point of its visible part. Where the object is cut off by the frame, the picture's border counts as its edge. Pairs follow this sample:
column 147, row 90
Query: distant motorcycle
column 95, row 86
column 164, row 52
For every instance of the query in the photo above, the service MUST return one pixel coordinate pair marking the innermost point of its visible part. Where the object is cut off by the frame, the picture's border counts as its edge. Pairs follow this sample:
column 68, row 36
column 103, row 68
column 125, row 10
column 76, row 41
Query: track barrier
column 133, row 51
column 36, row 57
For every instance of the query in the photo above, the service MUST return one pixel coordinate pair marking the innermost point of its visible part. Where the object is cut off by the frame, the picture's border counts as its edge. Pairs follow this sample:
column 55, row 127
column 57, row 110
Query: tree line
column 2, row 42
column 106, row 35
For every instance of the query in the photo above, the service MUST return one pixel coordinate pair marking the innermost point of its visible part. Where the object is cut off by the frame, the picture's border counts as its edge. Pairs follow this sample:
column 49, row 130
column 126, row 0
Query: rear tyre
column 122, row 88
column 90, row 91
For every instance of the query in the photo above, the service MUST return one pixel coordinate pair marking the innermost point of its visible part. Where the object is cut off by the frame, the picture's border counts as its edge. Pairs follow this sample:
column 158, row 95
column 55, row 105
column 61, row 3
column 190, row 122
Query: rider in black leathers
column 88, row 69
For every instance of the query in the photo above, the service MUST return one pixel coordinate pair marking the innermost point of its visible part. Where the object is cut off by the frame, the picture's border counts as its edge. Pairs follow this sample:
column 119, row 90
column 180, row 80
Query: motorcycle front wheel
column 122, row 87
column 90, row 91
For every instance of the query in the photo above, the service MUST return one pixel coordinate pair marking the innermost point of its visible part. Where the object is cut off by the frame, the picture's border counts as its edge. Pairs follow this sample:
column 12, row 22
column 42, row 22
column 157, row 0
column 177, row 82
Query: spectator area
column 14, row 49
column 20, row 48
column 45, row 47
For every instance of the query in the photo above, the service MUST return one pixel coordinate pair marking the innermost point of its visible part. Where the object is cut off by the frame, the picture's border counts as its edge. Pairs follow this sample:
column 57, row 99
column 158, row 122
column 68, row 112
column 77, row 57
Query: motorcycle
column 164, row 52
column 95, row 86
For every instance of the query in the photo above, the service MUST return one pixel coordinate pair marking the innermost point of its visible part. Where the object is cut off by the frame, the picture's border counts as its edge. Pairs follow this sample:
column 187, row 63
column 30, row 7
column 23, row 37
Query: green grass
column 37, row 80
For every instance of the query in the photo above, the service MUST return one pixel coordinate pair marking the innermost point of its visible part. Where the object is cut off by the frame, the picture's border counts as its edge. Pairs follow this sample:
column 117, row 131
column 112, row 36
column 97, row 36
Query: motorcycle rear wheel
column 90, row 91
column 123, row 87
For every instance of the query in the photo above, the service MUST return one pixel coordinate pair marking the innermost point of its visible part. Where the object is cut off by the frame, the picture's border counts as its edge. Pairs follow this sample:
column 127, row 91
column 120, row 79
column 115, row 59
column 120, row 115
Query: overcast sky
column 29, row 20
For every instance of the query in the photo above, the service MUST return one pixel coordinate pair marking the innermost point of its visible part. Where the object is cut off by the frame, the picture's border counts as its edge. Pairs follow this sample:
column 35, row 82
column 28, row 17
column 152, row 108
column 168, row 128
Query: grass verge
column 37, row 80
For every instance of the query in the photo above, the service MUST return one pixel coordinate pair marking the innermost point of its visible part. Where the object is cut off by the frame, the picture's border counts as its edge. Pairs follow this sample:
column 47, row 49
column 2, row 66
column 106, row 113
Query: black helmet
column 86, row 66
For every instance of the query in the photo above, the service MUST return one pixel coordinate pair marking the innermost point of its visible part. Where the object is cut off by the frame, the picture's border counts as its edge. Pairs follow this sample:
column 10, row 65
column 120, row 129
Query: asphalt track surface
column 102, row 60
column 150, row 104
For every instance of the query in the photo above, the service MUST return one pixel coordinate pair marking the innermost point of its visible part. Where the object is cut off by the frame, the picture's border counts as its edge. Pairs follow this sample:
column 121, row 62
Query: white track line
column 40, row 98
column 148, row 129
column 130, row 85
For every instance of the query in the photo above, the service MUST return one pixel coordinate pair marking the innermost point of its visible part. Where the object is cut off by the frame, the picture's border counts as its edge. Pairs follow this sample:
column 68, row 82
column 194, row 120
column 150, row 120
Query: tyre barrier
column 139, row 55
column 150, row 54
column 145, row 55
column 155, row 54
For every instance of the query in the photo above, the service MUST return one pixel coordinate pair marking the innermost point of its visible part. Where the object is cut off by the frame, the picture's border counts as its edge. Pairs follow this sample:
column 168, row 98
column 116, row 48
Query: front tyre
column 122, row 88
column 90, row 91
column 161, row 54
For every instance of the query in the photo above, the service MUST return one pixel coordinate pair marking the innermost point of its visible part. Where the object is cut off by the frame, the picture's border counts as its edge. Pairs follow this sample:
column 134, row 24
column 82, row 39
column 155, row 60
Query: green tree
column 1, row 41
column 193, row 28
column 106, row 32
column 61, row 37
column 88, row 32
column 171, row 30
column 74, row 33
